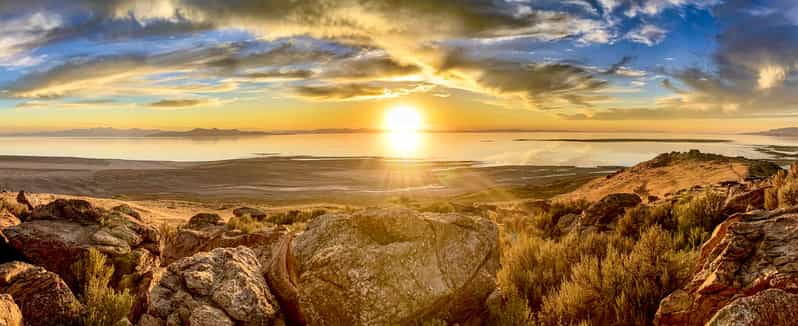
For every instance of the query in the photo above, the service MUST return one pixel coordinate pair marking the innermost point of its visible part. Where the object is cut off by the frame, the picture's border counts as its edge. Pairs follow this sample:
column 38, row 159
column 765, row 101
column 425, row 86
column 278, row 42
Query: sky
column 592, row 65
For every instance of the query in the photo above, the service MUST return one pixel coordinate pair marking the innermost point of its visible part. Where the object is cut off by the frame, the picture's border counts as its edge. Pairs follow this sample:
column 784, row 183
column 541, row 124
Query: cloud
column 76, row 77
column 369, row 66
column 550, row 82
column 647, row 34
column 332, row 50
column 359, row 91
column 634, row 8
column 757, row 65
column 19, row 34
column 178, row 103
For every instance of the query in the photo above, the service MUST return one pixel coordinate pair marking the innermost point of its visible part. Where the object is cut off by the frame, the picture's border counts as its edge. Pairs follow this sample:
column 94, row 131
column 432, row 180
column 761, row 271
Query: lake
column 516, row 148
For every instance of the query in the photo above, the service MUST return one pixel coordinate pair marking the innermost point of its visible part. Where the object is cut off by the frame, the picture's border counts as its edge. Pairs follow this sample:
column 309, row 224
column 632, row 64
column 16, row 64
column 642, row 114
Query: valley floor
column 289, row 180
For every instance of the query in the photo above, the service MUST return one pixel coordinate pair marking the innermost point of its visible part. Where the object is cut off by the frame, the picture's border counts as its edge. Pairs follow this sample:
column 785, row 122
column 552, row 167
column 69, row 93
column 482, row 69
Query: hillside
column 90, row 132
column 670, row 172
column 200, row 132
column 781, row 132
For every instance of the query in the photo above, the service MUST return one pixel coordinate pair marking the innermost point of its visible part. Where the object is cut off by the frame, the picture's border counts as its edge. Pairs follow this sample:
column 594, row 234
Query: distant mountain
column 781, row 132
column 91, row 132
column 200, row 132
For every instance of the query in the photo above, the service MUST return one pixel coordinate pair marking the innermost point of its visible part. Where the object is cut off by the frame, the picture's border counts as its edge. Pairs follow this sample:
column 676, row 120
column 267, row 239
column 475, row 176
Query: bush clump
column 103, row 306
column 246, row 224
column 295, row 216
column 620, row 289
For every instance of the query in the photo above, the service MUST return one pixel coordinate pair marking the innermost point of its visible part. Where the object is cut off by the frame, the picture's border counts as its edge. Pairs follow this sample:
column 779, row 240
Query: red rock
column 747, row 256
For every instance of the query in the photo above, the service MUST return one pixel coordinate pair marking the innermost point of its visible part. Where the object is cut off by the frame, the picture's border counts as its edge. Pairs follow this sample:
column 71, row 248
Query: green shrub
column 692, row 238
column 642, row 217
column 788, row 194
column 562, row 208
column 619, row 289
column 533, row 267
column 168, row 232
column 103, row 306
column 705, row 210
column 437, row 207
column 246, row 224
column 771, row 198
column 546, row 224
column 295, row 216
column 513, row 311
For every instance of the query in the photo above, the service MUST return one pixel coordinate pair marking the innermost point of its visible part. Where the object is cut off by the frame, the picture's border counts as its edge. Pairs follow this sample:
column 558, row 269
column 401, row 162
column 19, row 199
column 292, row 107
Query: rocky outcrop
column 767, row 308
column 205, row 234
column 43, row 298
column 601, row 214
column 746, row 255
column 251, row 212
column 395, row 267
column 10, row 315
column 56, row 235
column 746, row 200
column 127, row 210
column 221, row 287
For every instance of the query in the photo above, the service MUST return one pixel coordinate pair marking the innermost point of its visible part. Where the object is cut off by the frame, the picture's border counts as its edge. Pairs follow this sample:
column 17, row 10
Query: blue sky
column 576, row 63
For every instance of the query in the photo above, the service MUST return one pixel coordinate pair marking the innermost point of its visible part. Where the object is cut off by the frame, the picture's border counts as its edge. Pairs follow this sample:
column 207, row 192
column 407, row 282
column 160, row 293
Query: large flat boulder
column 395, row 267
column 746, row 255
column 225, row 286
column 43, row 297
column 58, row 234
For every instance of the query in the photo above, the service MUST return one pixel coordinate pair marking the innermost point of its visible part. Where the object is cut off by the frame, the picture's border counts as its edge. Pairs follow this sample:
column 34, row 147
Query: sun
column 403, row 118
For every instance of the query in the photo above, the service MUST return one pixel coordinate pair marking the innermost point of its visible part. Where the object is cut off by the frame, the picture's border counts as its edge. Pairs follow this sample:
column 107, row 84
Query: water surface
column 539, row 148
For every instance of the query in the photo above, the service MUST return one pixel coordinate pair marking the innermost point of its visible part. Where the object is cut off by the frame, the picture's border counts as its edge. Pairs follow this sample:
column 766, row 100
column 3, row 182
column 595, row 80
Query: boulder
column 43, row 297
column 205, row 235
column 395, row 267
column 601, row 214
column 746, row 255
column 127, row 210
column 252, row 212
column 771, row 307
column 222, row 287
column 204, row 219
column 744, row 201
column 58, row 234
column 10, row 315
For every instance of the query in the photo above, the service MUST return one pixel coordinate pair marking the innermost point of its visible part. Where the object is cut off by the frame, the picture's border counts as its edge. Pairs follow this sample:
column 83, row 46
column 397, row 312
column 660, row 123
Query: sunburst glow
column 403, row 119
